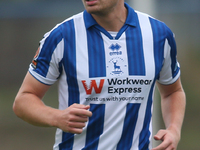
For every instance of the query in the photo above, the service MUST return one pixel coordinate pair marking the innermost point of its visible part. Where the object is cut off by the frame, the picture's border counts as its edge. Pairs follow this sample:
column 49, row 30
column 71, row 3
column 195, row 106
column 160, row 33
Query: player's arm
column 173, row 103
column 28, row 106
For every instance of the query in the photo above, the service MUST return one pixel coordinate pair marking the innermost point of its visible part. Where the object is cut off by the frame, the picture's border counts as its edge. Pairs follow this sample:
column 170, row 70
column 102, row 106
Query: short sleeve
column 46, row 66
column 170, row 71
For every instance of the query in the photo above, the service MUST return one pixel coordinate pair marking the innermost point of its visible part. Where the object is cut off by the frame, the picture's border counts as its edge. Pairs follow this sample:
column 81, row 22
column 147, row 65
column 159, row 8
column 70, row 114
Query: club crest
column 116, row 66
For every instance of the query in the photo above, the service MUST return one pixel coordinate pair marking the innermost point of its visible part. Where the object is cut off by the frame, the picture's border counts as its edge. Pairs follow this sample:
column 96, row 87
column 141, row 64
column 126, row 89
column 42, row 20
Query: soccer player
column 107, row 61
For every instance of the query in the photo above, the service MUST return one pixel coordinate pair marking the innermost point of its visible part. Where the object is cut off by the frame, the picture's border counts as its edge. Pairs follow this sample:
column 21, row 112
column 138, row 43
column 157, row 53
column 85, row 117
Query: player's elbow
column 17, row 107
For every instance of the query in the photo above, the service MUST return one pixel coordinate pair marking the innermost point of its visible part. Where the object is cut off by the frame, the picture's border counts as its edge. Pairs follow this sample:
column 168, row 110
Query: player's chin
column 92, row 10
column 96, row 11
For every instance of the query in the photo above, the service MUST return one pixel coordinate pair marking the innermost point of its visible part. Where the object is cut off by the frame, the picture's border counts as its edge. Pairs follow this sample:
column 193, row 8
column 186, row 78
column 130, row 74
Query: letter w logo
column 93, row 84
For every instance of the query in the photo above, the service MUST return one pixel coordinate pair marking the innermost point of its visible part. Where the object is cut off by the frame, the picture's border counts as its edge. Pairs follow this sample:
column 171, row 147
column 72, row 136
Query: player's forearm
column 173, row 109
column 31, row 109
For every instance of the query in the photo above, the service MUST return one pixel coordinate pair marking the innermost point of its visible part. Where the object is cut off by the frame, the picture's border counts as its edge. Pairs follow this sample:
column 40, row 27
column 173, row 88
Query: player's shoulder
column 79, row 15
column 157, row 25
column 151, row 18
column 60, row 29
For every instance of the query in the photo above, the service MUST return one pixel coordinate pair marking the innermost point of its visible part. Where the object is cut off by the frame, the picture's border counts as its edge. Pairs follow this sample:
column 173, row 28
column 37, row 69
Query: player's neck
column 112, row 21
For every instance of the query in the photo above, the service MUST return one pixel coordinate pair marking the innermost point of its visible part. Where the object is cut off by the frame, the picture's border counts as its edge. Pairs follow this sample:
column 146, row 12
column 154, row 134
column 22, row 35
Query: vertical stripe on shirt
column 158, row 38
column 96, row 54
column 95, row 126
column 82, row 71
column 69, row 63
column 147, row 38
column 129, row 126
column 144, row 139
column 135, row 51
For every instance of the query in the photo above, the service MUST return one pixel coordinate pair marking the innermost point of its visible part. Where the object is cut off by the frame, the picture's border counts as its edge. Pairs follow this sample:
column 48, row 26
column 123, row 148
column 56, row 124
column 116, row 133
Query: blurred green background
column 23, row 24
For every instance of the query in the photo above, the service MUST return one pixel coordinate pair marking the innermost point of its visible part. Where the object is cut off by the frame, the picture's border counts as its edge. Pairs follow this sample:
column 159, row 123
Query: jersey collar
column 131, row 18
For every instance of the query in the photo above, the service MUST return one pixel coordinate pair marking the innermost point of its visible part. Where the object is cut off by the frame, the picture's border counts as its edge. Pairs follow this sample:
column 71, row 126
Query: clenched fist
column 73, row 119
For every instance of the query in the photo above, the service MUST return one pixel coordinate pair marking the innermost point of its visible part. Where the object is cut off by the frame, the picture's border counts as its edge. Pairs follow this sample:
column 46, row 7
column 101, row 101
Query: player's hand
column 73, row 119
column 169, row 140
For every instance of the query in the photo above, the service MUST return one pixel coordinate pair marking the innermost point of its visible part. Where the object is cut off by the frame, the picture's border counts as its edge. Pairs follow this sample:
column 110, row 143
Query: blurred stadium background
column 24, row 22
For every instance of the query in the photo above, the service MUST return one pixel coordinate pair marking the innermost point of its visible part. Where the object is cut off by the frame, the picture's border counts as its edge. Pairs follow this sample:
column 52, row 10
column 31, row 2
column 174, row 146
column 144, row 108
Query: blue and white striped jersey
column 114, row 75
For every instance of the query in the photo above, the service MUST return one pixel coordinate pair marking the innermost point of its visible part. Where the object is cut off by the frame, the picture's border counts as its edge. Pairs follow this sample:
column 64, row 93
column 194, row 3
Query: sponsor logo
column 128, row 81
column 113, row 82
column 93, row 85
column 124, row 90
column 115, row 85
column 115, row 49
